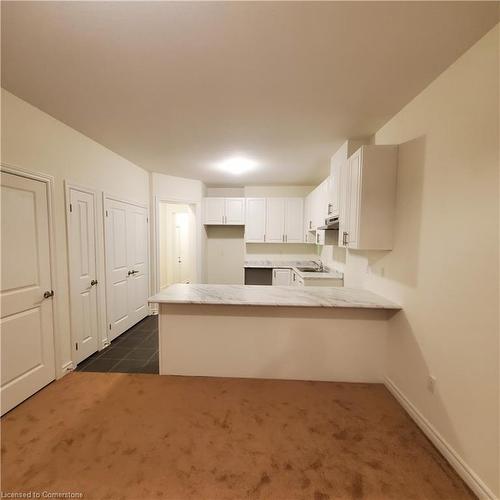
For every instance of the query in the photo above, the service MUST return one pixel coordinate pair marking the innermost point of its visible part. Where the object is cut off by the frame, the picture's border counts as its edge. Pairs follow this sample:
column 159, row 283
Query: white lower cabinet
column 282, row 277
column 296, row 279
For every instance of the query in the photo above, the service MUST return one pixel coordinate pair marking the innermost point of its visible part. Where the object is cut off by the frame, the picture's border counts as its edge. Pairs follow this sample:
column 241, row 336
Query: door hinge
column 71, row 207
column 76, row 346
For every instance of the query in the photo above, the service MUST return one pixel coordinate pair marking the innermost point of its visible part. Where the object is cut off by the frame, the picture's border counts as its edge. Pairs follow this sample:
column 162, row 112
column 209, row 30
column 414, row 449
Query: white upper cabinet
column 229, row 211
column 214, row 210
column 294, row 220
column 275, row 220
column 235, row 211
column 367, row 197
column 255, row 223
column 317, row 206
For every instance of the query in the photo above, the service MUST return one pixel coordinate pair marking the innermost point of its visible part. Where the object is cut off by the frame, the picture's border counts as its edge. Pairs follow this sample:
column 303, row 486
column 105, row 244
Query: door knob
column 93, row 282
column 48, row 294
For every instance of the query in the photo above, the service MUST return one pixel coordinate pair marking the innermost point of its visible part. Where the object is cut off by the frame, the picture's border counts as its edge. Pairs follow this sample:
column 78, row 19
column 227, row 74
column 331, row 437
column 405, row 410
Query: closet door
column 82, row 273
column 137, row 256
column 27, row 331
column 117, row 268
column 127, row 271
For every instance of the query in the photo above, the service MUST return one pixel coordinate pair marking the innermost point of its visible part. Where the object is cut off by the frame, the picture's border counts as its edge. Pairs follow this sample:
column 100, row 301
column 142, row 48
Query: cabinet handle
column 264, row 238
column 344, row 238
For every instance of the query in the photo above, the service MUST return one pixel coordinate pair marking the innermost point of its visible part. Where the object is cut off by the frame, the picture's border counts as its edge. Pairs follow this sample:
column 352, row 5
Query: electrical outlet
column 431, row 383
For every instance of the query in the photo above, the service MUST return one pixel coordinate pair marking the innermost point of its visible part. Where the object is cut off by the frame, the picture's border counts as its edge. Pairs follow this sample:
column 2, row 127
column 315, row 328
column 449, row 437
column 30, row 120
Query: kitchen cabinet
column 275, row 220
column 255, row 220
column 317, row 206
column 281, row 277
column 296, row 279
column 224, row 211
column 367, row 197
column 284, row 220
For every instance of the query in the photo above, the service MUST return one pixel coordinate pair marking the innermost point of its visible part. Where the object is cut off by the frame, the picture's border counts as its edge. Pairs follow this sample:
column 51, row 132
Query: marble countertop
column 294, row 264
column 262, row 295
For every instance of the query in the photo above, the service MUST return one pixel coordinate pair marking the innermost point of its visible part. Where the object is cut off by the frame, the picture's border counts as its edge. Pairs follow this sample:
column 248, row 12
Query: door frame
column 49, row 182
column 102, row 335
column 108, row 196
column 155, row 287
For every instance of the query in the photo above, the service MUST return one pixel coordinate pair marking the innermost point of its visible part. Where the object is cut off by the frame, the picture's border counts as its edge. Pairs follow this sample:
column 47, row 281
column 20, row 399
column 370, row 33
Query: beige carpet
column 121, row 436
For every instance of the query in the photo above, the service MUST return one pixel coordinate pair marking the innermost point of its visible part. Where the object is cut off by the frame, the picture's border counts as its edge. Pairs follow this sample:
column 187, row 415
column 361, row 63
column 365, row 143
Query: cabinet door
column 343, row 202
column 281, row 277
column 234, row 211
column 275, row 220
column 214, row 210
column 294, row 220
column 354, row 188
column 255, row 220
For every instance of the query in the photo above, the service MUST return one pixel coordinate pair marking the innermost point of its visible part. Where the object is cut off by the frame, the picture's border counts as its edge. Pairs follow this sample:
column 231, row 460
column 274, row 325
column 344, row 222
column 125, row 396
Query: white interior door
column 137, row 257
column 27, row 332
column 83, row 273
column 127, row 265
column 117, row 268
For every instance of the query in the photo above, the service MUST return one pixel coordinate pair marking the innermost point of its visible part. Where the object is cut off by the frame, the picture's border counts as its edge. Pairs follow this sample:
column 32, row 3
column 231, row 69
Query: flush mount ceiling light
column 237, row 165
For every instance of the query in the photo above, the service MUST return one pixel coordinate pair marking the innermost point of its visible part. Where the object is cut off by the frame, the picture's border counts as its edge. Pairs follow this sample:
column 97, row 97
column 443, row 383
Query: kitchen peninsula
column 311, row 333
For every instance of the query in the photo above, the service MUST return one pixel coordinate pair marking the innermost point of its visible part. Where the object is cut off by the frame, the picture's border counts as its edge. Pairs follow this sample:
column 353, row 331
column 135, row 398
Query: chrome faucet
column 320, row 266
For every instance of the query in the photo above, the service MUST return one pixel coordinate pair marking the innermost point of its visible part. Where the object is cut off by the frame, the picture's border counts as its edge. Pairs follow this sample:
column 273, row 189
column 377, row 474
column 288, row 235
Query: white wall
column 277, row 191
column 443, row 269
column 225, row 254
column 35, row 141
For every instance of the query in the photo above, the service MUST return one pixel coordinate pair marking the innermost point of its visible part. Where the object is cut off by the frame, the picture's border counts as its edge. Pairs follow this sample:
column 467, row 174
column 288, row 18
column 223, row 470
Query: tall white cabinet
column 255, row 220
column 367, row 189
column 127, row 267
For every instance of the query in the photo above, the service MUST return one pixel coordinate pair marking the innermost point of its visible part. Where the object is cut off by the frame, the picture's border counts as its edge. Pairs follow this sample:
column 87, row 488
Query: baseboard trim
column 454, row 459
column 66, row 368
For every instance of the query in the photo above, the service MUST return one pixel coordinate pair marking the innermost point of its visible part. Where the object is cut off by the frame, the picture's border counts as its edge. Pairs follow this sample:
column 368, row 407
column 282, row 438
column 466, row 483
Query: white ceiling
column 175, row 87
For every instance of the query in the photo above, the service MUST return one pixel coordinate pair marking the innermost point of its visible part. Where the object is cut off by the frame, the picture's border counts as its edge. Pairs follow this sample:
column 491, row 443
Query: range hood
column 331, row 222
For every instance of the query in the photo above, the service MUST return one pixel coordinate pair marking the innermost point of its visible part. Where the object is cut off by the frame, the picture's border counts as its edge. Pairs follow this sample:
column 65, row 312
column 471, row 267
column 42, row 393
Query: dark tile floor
column 134, row 351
